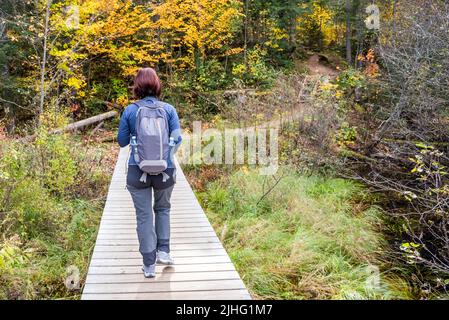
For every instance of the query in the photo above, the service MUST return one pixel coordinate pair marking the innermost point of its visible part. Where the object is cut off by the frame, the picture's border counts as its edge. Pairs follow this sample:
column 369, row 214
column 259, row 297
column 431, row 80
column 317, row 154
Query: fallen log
column 76, row 125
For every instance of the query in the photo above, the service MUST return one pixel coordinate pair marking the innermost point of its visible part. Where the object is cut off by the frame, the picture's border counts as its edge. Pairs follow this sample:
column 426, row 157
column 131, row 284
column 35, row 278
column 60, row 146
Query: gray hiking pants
column 153, row 230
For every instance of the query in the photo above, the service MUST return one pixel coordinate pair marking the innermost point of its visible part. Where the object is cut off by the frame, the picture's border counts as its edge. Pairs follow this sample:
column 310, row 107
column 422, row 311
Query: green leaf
column 423, row 146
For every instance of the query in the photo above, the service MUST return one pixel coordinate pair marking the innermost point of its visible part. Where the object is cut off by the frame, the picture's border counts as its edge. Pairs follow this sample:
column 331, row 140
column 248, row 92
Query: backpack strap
column 153, row 105
column 144, row 103
column 141, row 103
column 143, row 177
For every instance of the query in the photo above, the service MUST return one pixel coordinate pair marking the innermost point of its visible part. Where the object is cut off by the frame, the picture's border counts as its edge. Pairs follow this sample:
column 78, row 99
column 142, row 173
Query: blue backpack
column 151, row 144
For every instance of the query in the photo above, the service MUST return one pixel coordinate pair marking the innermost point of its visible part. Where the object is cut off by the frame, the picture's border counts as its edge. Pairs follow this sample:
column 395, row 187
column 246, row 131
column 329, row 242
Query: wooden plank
column 123, row 197
column 173, row 230
column 151, row 286
column 226, row 266
column 131, row 230
column 173, row 216
column 138, row 261
column 163, row 277
column 173, row 223
column 127, row 208
column 174, row 204
column 175, row 197
column 239, row 294
column 174, row 253
column 173, row 247
column 119, row 186
column 172, row 241
column 183, row 205
column 121, row 179
column 132, row 224
column 131, row 211
column 184, row 201
column 179, row 235
column 179, row 221
column 132, row 220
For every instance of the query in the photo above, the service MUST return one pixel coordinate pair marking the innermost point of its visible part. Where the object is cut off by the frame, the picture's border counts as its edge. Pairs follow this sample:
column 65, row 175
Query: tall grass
column 310, row 238
column 50, row 206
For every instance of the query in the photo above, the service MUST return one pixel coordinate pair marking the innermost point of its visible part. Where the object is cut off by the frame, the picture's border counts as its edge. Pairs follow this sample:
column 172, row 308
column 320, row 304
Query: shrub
column 47, row 212
column 405, row 152
column 255, row 71
column 211, row 75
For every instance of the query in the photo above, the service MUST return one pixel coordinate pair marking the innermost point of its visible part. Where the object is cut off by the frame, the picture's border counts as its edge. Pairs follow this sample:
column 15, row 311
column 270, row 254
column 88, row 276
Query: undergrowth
column 51, row 196
column 311, row 237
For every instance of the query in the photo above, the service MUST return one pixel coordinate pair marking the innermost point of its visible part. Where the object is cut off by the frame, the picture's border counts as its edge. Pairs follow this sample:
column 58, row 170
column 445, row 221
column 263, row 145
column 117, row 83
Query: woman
column 154, row 238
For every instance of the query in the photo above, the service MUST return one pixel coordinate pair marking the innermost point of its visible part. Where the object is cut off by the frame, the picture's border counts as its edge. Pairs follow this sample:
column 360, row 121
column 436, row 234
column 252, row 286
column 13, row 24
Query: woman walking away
column 152, row 128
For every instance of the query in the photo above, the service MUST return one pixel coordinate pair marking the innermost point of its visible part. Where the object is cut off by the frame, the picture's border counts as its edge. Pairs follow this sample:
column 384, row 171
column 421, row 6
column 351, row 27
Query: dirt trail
column 318, row 68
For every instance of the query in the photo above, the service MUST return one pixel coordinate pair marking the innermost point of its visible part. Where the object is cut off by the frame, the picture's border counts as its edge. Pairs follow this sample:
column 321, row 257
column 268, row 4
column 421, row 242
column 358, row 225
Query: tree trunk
column 77, row 125
column 292, row 31
column 4, row 72
column 44, row 58
column 395, row 3
column 360, row 46
column 3, row 38
column 348, row 32
column 245, row 37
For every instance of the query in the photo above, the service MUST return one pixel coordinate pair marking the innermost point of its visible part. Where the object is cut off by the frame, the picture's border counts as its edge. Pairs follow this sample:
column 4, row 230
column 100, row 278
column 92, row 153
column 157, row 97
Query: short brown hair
column 146, row 83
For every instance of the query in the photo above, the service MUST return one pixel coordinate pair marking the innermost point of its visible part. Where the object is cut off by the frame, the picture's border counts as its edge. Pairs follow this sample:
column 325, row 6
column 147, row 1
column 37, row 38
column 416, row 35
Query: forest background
column 365, row 158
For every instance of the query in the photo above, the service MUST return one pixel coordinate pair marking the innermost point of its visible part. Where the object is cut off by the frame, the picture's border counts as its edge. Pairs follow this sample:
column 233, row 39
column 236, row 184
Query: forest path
column 317, row 68
column 203, row 269
column 317, row 71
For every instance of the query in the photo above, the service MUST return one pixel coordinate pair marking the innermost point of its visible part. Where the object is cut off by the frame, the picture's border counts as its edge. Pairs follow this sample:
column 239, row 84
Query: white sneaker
column 150, row 271
column 164, row 258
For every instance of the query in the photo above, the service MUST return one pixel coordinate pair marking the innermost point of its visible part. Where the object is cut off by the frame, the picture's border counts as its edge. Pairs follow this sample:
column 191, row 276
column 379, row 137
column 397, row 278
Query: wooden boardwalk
column 202, row 267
